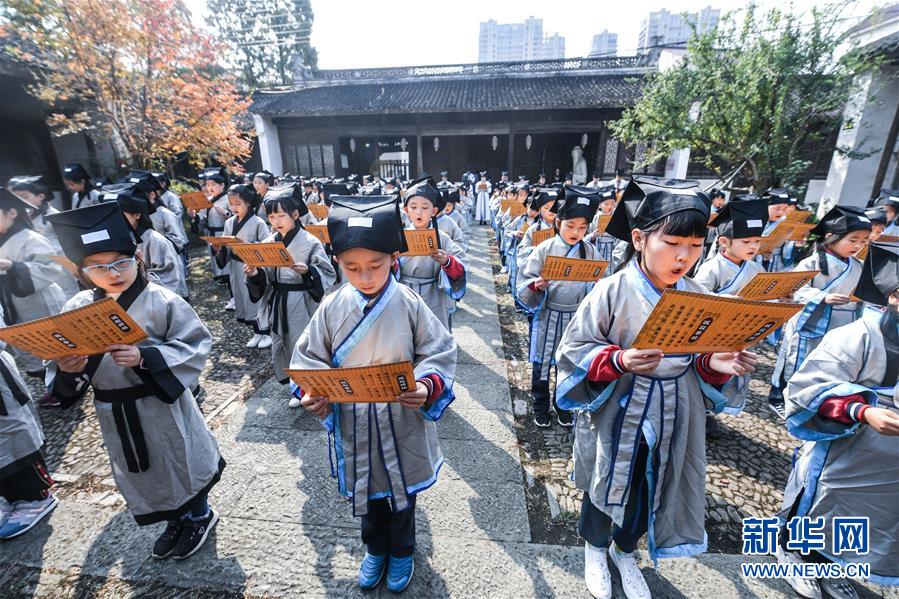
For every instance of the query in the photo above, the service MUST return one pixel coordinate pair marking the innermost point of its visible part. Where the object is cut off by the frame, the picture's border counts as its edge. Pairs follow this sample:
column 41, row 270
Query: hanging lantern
column 403, row 144
column 584, row 140
column 494, row 142
column 436, row 143
column 527, row 142
column 352, row 145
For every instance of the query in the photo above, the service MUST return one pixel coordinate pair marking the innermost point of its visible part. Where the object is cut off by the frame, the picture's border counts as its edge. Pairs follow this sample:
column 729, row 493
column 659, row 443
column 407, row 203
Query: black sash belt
column 127, row 422
column 279, row 303
column 215, row 229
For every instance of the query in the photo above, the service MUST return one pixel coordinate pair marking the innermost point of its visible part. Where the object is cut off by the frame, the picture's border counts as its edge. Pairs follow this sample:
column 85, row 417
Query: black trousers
column 387, row 532
column 599, row 530
column 540, row 390
column 29, row 483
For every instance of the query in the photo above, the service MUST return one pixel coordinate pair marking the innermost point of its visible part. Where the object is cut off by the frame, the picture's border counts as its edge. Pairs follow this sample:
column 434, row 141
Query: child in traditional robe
column 212, row 222
column 262, row 182
column 164, row 220
column 293, row 293
column 24, row 479
column 842, row 402
column 387, row 452
column 782, row 257
column 842, row 232
column 156, row 252
column 553, row 303
column 639, row 446
column 482, row 190
column 543, row 201
column 29, row 286
column 602, row 241
column 249, row 228
column 450, row 224
column 454, row 213
column 889, row 201
column 78, row 181
column 164, row 458
column 738, row 226
column 515, row 233
column 440, row 277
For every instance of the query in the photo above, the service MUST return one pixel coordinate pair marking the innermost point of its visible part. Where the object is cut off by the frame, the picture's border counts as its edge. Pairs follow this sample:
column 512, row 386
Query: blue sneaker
column 372, row 570
column 25, row 514
column 399, row 574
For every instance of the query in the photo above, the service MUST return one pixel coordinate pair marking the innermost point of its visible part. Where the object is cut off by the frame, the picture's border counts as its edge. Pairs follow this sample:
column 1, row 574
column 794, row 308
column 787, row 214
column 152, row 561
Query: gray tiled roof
column 564, row 90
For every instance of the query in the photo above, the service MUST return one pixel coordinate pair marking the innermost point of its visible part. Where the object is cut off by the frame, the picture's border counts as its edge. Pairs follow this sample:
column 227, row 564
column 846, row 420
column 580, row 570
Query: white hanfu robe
column 482, row 201
column 30, row 288
column 722, row 277
column 21, row 435
column 215, row 226
column 250, row 230
column 430, row 281
column 554, row 306
column 163, row 455
column 666, row 408
column 292, row 298
column 162, row 261
column 848, row 470
column 803, row 332
column 381, row 449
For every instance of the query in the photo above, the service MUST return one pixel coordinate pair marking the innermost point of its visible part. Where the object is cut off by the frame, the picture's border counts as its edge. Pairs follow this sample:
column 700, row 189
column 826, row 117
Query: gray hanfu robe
column 781, row 258
column 91, row 198
column 521, row 223
column 666, row 408
column 604, row 244
column 21, row 436
column 162, row 453
column 554, row 306
column 452, row 228
column 252, row 230
column 162, row 262
column 848, row 470
column 292, row 298
column 171, row 201
column 401, row 456
column 30, row 289
column 165, row 222
column 460, row 219
column 803, row 332
column 429, row 280
column 215, row 227
column 722, row 277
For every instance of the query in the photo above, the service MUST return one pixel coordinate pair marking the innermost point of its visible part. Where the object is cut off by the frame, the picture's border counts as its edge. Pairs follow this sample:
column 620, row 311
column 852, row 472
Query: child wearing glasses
column 164, row 457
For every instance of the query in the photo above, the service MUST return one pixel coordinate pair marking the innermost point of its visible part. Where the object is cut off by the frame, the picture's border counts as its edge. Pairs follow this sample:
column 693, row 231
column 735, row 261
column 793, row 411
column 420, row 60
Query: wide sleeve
column 585, row 338
column 174, row 365
column 32, row 271
column 454, row 287
column 435, row 354
column 808, row 292
column 313, row 348
column 529, row 272
column 707, row 275
column 321, row 275
column 160, row 256
column 831, row 370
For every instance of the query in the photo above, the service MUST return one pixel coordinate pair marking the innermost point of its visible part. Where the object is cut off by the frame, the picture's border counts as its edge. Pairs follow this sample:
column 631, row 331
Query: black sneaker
column 164, row 545
column 565, row 418
column 194, row 535
column 542, row 420
column 779, row 408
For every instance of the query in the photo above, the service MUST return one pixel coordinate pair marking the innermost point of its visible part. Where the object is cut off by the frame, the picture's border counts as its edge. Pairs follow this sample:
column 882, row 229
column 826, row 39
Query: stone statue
column 579, row 166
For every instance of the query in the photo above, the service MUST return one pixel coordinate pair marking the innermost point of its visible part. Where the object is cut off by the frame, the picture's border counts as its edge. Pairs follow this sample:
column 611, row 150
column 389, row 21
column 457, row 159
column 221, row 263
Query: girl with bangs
column 290, row 294
column 639, row 441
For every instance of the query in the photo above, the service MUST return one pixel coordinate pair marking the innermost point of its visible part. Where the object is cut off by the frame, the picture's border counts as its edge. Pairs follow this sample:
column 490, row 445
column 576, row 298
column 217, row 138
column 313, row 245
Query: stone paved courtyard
column 501, row 522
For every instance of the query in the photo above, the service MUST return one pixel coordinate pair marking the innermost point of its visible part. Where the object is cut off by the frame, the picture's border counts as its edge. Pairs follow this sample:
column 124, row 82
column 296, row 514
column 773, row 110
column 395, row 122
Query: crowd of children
column 638, row 415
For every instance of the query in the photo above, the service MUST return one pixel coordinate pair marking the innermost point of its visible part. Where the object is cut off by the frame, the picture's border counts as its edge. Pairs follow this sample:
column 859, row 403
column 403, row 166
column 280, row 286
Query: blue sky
column 362, row 33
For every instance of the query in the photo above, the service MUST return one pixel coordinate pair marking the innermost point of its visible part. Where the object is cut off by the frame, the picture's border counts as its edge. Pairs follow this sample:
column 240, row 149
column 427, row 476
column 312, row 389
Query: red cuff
column 436, row 386
column 606, row 366
column 707, row 374
column 840, row 409
column 453, row 269
column 396, row 267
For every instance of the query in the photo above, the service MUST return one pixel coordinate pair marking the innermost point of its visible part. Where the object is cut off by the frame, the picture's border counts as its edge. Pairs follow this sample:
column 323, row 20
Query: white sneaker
column 294, row 402
column 230, row 307
column 632, row 580
column 805, row 587
column 264, row 341
column 839, row 588
column 596, row 571
column 504, row 269
column 254, row 341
